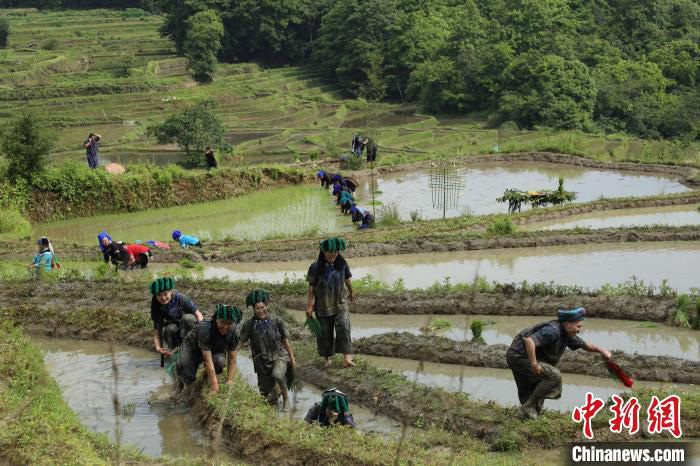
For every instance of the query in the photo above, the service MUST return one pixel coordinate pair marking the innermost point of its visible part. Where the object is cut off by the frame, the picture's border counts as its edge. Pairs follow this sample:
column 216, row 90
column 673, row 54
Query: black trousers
column 190, row 359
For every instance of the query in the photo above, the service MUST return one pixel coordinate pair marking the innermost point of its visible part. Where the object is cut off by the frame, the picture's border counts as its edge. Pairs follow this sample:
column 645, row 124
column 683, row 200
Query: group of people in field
column 343, row 189
column 182, row 332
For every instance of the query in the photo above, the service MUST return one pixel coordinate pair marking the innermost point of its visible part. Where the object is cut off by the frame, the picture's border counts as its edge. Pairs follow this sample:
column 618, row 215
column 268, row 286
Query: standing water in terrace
column 272, row 213
column 488, row 181
column 84, row 371
column 645, row 216
column 586, row 265
column 497, row 385
column 653, row 339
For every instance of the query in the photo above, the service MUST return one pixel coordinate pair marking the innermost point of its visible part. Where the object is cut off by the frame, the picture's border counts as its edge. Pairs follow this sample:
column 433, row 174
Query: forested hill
column 612, row 65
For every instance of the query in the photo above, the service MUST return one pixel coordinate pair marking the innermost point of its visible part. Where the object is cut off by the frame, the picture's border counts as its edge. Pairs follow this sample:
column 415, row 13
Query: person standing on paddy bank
column 92, row 148
column 330, row 290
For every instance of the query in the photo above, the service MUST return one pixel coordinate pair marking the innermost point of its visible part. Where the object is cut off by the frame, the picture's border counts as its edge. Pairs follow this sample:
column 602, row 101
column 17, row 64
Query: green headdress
column 258, row 295
column 336, row 400
column 333, row 244
column 162, row 284
column 226, row 312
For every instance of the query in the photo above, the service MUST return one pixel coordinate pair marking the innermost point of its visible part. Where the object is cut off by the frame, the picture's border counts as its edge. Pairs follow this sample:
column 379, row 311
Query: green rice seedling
column 441, row 325
column 190, row 264
column 680, row 317
column 477, row 328
column 390, row 215
column 501, row 226
column 415, row 215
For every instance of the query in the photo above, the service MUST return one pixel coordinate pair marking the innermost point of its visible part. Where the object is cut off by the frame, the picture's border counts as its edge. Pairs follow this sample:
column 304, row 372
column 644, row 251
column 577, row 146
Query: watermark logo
column 662, row 415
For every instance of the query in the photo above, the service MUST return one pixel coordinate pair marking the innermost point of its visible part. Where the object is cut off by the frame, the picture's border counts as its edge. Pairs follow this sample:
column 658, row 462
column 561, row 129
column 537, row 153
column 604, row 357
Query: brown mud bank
column 440, row 349
column 508, row 302
column 393, row 244
column 502, row 300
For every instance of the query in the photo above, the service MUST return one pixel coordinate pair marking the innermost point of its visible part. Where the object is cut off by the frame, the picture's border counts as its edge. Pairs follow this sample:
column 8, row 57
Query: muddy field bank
column 440, row 349
column 134, row 296
column 359, row 246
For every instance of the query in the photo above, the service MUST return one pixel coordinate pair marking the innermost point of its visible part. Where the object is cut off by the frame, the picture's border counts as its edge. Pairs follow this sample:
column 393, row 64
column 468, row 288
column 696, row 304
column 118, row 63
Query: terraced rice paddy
column 629, row 336
column 484, row 183
column 76, row 76
column 261, row 215
column 671, row 215
column 588, row 265
column 497, row 385
column 84, row 370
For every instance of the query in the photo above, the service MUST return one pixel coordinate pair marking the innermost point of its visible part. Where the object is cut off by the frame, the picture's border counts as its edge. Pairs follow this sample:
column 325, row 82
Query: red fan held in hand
column 616, row 372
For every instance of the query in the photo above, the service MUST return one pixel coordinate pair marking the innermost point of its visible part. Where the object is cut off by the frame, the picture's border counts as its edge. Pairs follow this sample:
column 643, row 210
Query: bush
column 26, row 144
column 51, row 44
column 696, row 320
column 13, row 225
column 501, row 226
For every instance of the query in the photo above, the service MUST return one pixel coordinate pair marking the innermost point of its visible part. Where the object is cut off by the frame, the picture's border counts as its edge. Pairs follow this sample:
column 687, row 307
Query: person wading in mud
column 173, row 314
column 210, row 342
column 330, row 290
column 536, row 351
column 269, row 344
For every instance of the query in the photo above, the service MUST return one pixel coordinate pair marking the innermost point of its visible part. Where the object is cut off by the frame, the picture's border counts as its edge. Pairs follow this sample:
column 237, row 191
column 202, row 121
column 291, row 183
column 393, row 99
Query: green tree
column 202, row 44
column 4, row 32
column 630, row 96
column 679, row 60
column 548, row 90
column 26, row 145
column 193, row 129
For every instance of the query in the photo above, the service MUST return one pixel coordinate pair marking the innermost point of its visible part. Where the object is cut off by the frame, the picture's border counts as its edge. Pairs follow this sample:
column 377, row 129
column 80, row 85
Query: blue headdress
column 571, row 315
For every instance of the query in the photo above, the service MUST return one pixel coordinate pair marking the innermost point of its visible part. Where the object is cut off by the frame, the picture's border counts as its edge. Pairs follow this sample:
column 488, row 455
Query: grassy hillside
column 110, row 72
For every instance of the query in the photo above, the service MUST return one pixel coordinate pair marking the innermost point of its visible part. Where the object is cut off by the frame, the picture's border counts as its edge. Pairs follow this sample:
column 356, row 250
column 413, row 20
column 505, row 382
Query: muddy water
column 588, row 265
column 643, row 338
column 669, row 215
column 486, row 182
column 83, row 370
column 497, row 384
column 302, row 400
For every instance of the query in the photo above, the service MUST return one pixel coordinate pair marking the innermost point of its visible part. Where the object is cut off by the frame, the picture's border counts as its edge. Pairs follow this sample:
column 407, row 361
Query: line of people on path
column 124, row 256
column 343, row 188
column 182, row 332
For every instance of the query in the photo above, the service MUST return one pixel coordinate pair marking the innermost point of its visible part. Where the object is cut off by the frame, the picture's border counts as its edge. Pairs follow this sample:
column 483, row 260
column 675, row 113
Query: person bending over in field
column 210, row 342
column 186, row 240
column 535, row 352
column 174, row 315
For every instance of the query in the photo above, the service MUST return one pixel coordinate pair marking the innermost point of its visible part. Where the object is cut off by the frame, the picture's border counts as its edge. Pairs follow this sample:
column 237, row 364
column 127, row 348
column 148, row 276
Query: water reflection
column 486, row 182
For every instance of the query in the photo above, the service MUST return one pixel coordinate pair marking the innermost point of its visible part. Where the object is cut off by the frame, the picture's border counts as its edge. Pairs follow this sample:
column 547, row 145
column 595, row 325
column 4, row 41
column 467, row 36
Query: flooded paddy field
column 484, row 183
column 587, row 265
column 260, row 215
column 629, row 336
column 666, row 215
column 497, row 385
column 148, row 421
